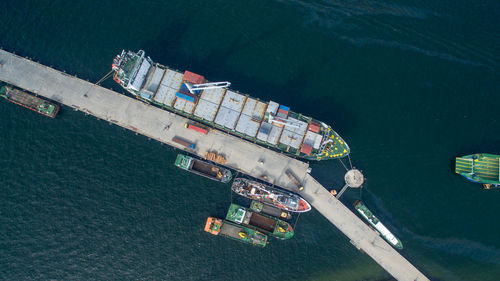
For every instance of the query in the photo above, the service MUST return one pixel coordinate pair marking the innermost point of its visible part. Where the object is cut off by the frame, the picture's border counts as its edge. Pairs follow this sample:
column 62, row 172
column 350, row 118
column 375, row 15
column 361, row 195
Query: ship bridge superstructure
column 267, row 123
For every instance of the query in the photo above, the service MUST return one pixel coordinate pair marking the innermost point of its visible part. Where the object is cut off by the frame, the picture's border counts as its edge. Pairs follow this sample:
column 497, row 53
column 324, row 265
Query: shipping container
column 196, row 128
column 285, row 108
column 185, row 96
column 314, row 127
column 306, row 149
column 193, row 77
column 183, row 142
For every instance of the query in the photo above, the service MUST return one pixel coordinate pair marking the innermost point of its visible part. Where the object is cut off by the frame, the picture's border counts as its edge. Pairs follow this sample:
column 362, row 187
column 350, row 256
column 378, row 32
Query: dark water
column 409, row 84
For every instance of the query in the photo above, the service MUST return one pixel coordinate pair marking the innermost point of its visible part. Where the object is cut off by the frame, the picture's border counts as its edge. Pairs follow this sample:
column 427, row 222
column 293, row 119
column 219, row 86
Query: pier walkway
column 240, row 154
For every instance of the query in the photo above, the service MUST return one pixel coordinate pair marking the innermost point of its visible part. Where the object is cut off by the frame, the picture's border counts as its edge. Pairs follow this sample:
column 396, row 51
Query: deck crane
column 283, row 121
column 205, row 86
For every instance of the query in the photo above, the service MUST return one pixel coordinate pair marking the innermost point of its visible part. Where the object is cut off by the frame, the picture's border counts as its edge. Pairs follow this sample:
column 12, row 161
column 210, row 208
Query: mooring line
column 104, row 78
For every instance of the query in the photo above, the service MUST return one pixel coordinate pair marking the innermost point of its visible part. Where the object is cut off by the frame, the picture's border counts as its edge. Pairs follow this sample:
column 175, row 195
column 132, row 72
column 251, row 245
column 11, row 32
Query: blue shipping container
column 185, row 97
column 285, row 108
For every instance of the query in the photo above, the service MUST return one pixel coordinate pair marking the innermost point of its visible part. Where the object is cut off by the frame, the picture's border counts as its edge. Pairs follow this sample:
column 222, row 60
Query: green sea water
column 409, row 84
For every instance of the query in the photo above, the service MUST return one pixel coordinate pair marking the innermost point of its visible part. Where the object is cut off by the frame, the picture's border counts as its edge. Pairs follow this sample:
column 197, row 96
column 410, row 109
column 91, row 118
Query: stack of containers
column 185, row 100
column 283, row 111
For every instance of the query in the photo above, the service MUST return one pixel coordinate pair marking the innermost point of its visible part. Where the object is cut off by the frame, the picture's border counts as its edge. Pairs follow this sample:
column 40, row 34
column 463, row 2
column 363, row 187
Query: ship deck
column 485, row 168
column 241, row 155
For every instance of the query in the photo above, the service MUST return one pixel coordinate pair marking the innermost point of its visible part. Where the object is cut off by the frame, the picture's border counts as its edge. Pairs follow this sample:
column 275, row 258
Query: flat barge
column 203, row 168
column 259, row 221
column 236, row 232
column 29, row 101
column 269, row 210
column 480, row 168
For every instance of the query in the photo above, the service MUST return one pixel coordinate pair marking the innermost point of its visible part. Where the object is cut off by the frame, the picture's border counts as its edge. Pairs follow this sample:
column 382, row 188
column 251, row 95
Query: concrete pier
column 241, row 155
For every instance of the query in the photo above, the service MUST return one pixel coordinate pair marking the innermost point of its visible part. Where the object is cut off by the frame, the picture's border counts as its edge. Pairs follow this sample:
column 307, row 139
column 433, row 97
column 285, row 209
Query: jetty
column 241, row 155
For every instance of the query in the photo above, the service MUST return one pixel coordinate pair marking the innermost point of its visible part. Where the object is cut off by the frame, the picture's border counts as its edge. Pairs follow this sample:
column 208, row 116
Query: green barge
column 29, row 101
column 264, row 223
column 480, row 167
column 203, row 168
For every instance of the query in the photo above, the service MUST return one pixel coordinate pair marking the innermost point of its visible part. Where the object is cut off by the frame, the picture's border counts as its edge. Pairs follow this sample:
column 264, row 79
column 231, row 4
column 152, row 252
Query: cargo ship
column 273, row 196
column 266, row 224
column 29, row 101
column 240, row 233
column 188, row 94
column 480, row 167
column 203, row 168
column 368, row 215
column 270, row 210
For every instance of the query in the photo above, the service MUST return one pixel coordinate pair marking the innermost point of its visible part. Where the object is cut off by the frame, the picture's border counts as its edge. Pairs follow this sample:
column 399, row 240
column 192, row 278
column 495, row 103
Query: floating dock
column 241, row 155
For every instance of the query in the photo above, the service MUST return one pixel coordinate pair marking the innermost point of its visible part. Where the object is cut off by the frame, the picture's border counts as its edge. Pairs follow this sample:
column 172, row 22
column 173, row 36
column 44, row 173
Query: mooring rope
column 295, row 224
column 343, row 164
column 104, row 78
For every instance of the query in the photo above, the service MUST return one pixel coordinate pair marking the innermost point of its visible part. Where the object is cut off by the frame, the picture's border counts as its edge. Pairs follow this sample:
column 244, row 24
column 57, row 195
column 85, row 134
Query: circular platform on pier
column 354, row 178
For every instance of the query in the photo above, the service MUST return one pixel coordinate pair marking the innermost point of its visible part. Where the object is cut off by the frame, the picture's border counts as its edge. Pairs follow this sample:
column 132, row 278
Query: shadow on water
column 294, row 92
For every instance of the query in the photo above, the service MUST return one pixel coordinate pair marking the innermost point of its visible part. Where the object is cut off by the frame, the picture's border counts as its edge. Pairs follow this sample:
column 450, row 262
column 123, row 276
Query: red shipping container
column 314, row 127
column 198, row 129
column 193, row 77
column 283, row 112
column 306, row 149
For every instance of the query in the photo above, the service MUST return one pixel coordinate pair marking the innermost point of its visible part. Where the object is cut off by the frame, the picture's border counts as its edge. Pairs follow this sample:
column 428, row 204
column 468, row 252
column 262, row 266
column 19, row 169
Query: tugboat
column 368, row 215
column 266, row 194
column 264, row 223
column 203, row 168
column 236, row 232
column 29, row 101
column 480, row 167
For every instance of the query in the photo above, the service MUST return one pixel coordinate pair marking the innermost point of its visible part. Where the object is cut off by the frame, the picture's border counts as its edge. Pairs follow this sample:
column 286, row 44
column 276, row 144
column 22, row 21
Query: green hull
column 303, row 136
column 29, row 101
column 203, row 168
column 266, row 224
column 374, row 221
column 480, row 167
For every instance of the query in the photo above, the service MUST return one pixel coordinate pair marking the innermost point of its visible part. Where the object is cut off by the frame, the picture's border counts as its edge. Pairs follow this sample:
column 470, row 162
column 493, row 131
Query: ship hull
column 266, row 224
column 480, row 168
column 272, row 196
column 235, row 232
column 267, row 124
column 203, row 168
column 377, row 225
column 29, row 101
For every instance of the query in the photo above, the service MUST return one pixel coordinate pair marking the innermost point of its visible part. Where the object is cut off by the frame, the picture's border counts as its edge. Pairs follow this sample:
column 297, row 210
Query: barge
column 480, row 168
column 203, row 168
column 29, row 101
column 269, row 210
column 266, row 224
column 236, row 232
column 188, row 94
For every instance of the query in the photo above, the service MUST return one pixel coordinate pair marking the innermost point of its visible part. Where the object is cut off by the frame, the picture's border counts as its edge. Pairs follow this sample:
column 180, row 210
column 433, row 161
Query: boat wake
column 407, row 28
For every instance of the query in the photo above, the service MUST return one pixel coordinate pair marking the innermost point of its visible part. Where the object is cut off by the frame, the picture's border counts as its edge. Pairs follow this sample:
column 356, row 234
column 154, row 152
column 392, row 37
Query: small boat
column 273, row 196
column 480, row 167
column 368, row 215
column 29, row 101
column 259, row 221
column 203, row 168
column 236, row 232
